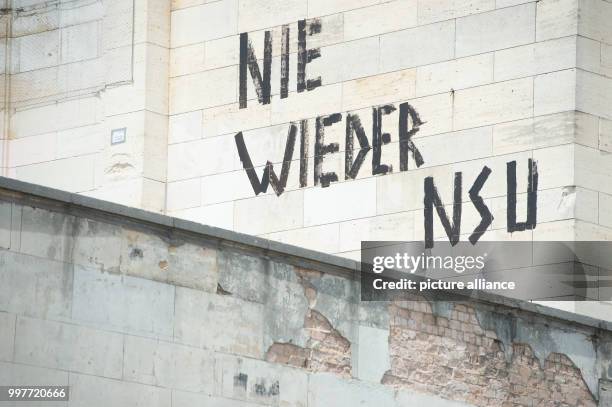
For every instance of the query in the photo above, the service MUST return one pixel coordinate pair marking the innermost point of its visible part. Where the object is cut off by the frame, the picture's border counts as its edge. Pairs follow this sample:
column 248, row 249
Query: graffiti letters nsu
column 357, row 143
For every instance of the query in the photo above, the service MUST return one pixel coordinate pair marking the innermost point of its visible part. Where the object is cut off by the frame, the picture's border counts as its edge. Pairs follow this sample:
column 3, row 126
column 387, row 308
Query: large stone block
column 417, row 46
column 68, row 347
column 456, row 74
column 438, row 10
column 125, row 303
column 238, row 324
column 537, row 58
column 95, row 391
column 556, row 18
column 398, row 227
column 493, row 30
column 380, row 89
column 258, row 14
column 169, row 365
column 555, row 92
column 593, row 94
column 204, row 89
column 269, row 213
column 380, row 19
column 317, row 8
column 204, row 22
column 35, row 286
column 322, row 205
column 494, row 103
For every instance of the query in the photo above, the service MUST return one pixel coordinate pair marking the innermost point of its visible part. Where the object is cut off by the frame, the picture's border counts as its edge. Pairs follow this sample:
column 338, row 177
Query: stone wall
column 130, row 308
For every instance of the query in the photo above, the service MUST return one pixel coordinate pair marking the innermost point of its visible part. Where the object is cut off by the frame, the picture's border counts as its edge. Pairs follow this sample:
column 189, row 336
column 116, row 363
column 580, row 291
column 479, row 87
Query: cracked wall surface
column 146, row 313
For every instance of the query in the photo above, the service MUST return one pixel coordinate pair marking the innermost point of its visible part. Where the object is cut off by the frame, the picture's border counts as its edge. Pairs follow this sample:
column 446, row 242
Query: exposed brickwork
column 326, row 350
column 455, row 358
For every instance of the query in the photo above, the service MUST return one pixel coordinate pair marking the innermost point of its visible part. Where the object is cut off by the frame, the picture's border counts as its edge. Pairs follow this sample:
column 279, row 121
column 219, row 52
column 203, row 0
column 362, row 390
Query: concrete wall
column 134, row 309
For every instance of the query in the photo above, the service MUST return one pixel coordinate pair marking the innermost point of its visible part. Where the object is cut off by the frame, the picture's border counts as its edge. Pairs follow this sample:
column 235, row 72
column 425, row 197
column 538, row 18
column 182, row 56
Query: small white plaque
column 118, row 136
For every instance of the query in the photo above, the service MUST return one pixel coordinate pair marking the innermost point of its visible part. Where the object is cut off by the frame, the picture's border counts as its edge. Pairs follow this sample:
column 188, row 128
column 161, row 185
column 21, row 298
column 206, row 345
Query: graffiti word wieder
column 408, row 126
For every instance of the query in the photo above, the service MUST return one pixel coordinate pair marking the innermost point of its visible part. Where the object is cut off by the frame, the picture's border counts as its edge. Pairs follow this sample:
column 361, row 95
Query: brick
column 204, row 22
column 317, row 8
column 555, row 92
column 218, row 215
column 493, row 103
column 544, row 131
column 495, row 30
column 135, row 305
column 168, row 365
column 99, row 392
column 52, row 173
column 556, row 18
column 553, row 175
column 185, row 159
column 321, row 101
column 269, row 209
column 322, row 205
column 381, row 89
column 535, row 59
column 417, row 46
column 202, row 90
column 456, row 74
column 592, row 169
column 224, row 52
column 594, row 94
column 184, row 194
column 239, row 323
column 469, row 145
column 231, row 119
column 228, row 186
column 594, row 20
column 50, row 118
column 188, row 59
column 380, row 19
column 323, row 238
column 185, row 127
column 438, row 10
column 257, row 14
column 347, row 61
column 55, row 345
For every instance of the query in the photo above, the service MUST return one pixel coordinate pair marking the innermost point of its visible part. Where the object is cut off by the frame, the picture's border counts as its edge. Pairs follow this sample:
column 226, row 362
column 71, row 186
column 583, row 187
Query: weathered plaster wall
column 132, row 308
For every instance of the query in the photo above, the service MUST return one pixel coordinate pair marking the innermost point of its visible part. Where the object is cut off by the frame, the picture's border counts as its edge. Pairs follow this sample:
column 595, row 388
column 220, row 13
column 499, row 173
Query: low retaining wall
column 130, row 308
